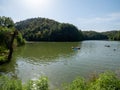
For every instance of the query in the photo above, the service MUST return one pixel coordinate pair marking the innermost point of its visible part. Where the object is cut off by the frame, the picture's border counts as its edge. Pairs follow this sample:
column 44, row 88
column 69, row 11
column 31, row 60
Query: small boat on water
column 76, row 48
column 107, row 45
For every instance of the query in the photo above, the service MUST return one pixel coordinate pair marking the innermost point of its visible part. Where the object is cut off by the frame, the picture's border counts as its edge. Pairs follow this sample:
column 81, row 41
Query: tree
column 92, row 35
column 7, row 35
column 6, row 22
column 112, row 35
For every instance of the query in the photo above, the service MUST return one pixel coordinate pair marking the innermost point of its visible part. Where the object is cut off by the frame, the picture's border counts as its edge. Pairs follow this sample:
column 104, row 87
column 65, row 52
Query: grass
column 3, row 59
column 40, row 84
column 3, row 55
column 10, row 84
column 13, row 84
column 105, row 81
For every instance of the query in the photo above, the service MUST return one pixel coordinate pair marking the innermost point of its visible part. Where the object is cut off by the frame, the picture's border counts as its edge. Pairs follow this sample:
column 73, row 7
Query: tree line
column 108, row 35
column 43, row 29
column 112, row 35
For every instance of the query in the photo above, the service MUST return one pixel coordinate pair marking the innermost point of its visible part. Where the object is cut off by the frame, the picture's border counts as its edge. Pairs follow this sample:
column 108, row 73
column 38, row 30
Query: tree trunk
column 11, row 46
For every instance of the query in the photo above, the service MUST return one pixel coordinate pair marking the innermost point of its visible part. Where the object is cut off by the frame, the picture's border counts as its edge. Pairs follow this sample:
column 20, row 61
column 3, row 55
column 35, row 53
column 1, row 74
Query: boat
column 107, row 45
column 76, row 48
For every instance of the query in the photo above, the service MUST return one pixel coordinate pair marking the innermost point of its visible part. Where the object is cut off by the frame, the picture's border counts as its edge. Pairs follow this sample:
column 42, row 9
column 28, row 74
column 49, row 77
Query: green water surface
column 60, row 63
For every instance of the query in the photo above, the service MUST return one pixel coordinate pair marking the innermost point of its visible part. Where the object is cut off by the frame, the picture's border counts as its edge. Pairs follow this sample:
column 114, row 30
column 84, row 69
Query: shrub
column 105, row 81
column 40, row 84
column 10, row 84
column 13, row 84
column 3, row 59
column 77, row 84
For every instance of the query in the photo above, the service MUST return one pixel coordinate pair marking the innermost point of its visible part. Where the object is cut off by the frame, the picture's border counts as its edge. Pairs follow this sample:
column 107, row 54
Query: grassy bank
column 3, row 55
column 13, row 84
column 105, row 81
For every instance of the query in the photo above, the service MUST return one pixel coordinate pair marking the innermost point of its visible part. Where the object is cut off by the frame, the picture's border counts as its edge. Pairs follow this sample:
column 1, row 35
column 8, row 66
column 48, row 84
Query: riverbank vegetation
column 92, row 35
column 108, row 35
column 9, row 37
column 105, row 81
column 15, row 84
column 112, row 35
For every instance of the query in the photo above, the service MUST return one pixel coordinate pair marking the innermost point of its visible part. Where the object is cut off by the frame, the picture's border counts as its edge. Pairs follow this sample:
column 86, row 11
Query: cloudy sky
column 98, row 15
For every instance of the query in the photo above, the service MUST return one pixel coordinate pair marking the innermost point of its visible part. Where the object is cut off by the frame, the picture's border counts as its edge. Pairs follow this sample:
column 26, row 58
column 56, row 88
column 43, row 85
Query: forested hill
column 108, row 35
column 43, row 29
column 112, row 35
column 92, row 35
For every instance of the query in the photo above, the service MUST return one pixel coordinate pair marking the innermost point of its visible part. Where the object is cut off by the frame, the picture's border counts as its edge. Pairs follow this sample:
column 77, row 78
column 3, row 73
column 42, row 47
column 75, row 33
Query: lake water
column 60, row 63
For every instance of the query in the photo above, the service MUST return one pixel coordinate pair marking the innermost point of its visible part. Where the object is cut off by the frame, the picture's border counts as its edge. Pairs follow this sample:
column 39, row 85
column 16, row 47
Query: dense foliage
column 112, row 35
column 13, row 84
column 92, row 35
column 105, row 81
column 42, row 29
column 6, row 31
column 108, row 35
column 7, row 36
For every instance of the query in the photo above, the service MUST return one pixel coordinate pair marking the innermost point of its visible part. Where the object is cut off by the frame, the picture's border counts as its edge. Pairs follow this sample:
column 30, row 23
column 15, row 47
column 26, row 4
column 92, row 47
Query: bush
column 20, row 40
column 10, row 84
column 13, row 84
column 105, row 81
column 77, row 84
column 3, row 59
column 40, row 84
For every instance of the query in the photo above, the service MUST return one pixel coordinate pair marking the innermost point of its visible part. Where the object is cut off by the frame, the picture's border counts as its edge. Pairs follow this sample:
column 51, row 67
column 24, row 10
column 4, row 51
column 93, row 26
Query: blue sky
column 97, row 15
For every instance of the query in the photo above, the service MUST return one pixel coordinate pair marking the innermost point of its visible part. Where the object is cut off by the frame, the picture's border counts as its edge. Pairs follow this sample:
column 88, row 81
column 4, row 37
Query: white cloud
column 107, row 18
column 107, row 22
column 116, row 15
column 36, row 5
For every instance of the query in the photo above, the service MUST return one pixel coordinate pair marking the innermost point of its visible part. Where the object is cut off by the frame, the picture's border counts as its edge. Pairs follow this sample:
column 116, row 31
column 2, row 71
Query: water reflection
column 10, row 68
column 47, row 52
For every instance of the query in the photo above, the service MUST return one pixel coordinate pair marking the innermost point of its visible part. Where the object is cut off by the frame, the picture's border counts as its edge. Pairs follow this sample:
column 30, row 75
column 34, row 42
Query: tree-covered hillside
column 43, row 29
column 112, row 35
column 92, row 35
column 108, row 35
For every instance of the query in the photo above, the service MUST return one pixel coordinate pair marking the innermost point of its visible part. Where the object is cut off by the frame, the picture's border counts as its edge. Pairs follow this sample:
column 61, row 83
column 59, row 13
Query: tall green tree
column 6, row 30
column 6, row 22
column 8, row 33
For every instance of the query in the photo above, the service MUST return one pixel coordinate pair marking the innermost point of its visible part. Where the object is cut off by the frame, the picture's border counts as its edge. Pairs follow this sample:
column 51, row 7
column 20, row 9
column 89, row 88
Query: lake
column 60, row 63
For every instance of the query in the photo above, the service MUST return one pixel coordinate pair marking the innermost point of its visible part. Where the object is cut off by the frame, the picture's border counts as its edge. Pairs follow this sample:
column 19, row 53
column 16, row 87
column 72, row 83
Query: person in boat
column 107, row 45
column 75, row 47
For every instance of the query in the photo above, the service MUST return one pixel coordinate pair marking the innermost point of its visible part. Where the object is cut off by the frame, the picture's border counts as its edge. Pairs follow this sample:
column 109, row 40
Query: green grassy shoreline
column 104, row 81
